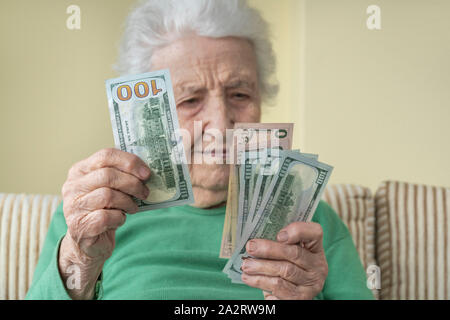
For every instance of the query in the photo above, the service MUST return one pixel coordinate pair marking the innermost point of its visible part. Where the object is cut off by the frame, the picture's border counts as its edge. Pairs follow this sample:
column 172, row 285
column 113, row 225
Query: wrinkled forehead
column 205, row 61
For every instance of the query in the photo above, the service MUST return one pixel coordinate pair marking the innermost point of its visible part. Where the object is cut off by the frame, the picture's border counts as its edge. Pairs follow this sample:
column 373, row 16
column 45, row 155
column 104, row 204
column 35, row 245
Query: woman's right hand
column 96, row 196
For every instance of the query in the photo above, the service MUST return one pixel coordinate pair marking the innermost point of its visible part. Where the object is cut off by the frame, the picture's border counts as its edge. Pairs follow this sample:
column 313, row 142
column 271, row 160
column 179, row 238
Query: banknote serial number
column 226, row 309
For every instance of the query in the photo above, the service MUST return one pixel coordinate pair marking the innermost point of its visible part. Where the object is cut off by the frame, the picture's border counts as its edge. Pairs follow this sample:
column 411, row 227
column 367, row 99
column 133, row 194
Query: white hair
column 156, row 23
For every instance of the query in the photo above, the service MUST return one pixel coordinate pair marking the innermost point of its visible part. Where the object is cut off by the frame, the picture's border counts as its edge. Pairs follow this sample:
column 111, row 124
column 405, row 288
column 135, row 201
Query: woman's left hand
column 292, row 268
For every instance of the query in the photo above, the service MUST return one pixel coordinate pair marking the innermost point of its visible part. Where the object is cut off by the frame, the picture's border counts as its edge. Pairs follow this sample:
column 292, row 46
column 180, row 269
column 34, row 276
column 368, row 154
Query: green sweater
column 174, row 254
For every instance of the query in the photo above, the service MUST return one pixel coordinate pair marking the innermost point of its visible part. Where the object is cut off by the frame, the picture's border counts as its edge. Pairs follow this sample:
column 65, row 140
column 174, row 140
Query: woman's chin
column 210, row 177
column 205, row 198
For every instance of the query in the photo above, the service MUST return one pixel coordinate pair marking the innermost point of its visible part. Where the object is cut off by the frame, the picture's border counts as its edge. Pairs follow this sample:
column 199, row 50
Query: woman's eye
column 191, row 101
column 240, row 96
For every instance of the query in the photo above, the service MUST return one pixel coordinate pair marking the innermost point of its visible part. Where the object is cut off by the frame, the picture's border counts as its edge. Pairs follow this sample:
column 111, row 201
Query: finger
column 274, row 268
column 267, row 249
column 111, row 158
column 114, row 179
column 278, row 287
column 106, row 198
column 309, row 233
column 97, row 222
column 269, row 296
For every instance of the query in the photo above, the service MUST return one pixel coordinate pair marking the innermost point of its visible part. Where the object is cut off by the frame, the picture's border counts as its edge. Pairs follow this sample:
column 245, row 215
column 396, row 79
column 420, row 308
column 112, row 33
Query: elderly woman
column 221, row 62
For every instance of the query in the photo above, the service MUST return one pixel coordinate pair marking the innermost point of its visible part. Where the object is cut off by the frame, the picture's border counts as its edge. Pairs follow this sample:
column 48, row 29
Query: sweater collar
column 205, row 212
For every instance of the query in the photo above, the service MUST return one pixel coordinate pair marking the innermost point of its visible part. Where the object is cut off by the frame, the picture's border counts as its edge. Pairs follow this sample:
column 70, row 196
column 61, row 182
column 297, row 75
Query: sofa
column 401, row 233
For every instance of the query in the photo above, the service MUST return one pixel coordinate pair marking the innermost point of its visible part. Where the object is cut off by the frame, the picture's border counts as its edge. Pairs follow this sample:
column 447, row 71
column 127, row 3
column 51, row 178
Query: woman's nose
column 217, row 115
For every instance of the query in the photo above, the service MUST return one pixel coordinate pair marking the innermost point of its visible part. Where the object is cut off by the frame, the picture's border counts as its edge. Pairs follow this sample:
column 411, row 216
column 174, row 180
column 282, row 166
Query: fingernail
column 252, row 246
column 144, row 172
column 282, row 236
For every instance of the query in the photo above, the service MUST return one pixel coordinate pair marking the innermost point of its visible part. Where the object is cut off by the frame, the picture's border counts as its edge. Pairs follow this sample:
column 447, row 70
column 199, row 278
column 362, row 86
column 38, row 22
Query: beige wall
column 374, row 104
column 377, row 103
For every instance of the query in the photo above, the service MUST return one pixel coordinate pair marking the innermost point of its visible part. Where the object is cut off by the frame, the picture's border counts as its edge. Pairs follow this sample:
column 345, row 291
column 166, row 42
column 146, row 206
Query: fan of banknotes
column 270, row 187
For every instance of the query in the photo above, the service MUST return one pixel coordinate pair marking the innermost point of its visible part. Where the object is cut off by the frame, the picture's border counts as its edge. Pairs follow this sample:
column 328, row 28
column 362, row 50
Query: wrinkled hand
column 292, row 268
column 96, row 195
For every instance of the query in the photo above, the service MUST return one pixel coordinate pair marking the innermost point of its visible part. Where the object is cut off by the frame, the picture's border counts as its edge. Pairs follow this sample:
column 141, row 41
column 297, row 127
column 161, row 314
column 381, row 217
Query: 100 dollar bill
column 293, row 195
column 144, row 121
column 264, row 174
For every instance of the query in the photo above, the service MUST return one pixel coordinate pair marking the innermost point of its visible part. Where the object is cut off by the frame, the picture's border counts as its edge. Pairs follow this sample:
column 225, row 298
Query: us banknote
column 248, row 136
column 263, row 175
column 257, row 163
column 144, row 122
column 252, row 162
column 293, row 195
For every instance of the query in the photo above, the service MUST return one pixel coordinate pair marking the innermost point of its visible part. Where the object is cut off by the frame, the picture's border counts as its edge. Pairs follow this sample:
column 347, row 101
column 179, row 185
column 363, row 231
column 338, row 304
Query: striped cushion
column 355, row 206
column 24, row 220
column 413, row 226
